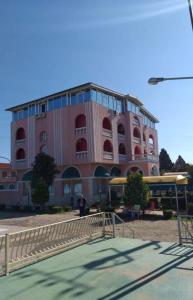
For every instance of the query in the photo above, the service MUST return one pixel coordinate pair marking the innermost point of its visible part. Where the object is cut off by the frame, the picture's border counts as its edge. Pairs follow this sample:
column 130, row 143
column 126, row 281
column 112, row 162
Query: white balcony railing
column 21, row 141
column 107, row 132
column 81, row 155
column 135, row 122
column 121, row 137
column 20, row 163
column 81, row 130
column 122, row 157
column 147, row 157
column 107, row 155
column 137, row 140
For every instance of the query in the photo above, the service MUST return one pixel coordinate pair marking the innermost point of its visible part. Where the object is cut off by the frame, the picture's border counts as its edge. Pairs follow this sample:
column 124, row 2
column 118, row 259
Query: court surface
column 107, row 269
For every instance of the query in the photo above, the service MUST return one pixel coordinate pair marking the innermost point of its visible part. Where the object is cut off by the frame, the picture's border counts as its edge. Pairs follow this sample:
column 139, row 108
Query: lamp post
column 156, row 80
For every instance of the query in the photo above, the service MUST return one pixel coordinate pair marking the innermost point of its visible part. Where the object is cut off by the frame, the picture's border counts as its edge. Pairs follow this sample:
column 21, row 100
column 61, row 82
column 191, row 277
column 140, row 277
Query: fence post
column 179, row 230
column 6, row 254
column 103, row 220
column 113, row 221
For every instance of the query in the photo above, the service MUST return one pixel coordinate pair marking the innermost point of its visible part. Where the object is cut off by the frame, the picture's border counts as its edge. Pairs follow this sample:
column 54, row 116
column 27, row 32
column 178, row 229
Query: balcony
column 135, row 122
column 80, row 131
column 20, row 163
column 148, row 157
column 121, row 137
column 108, row 155
column 20, row 141
column 122, row 157
column 137, row 140
column 107, row 132
column 81, row 155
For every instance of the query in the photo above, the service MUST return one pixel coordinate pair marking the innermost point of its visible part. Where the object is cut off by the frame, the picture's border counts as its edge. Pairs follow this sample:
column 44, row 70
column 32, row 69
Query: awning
column 174, row 179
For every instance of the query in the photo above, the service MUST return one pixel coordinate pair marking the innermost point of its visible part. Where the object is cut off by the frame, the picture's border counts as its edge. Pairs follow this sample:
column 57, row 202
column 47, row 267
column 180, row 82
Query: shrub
column 56, row 209
column 67, row 208
column 15, row 207
column 25, row 208
column 109, row 209
column 2, row 206
column 87, row 210
column 190, row 208
column 167, row 214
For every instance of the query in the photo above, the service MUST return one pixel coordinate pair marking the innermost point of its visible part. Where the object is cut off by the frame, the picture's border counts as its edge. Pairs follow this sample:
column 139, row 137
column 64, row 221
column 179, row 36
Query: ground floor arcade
column 91, row 180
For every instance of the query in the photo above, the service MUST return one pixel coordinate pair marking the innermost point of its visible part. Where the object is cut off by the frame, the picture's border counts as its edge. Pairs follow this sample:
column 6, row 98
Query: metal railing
column 146, row 157
column 2, row 254
column 185, row 229
column 120, row 228
column 81, row 130
column 28, row 246
column 81, row 154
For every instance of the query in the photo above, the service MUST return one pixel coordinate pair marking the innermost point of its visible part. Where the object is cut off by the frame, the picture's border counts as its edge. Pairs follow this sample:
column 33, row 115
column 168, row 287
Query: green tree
column 179, row 165
column 43, row 167
column 189, row 169
column 165, row 161
column 136, row 190
column 43, row 173
column 40, row 194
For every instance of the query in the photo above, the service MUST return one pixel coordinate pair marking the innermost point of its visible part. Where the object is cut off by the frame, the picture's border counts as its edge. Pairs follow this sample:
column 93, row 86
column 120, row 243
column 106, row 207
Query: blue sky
column 47, row 46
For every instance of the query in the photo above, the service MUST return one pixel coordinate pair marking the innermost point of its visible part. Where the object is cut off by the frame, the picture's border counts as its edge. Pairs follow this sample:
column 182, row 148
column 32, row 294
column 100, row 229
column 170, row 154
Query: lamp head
column 155, row 80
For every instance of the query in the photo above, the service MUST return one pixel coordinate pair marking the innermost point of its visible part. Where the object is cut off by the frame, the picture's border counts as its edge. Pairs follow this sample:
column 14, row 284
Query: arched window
column 81, row 145
column 136, row 120
column 136, row 133
column 20, row 154
column 71, row 172
column 20, row 134
column 122, row 149
column 121, row 129
column 107, row 147
column 43, row 136
column 106, row 124
column 80, row 121
column 151, row 141
column 101, row 171
column 115, row 172
column 137, row 150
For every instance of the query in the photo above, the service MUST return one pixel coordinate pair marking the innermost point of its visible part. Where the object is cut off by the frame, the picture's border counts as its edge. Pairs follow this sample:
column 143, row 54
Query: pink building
column 93, row 133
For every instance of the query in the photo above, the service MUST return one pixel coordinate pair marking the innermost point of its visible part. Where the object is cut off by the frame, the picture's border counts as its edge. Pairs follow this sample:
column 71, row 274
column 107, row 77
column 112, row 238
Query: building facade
column 92, row 132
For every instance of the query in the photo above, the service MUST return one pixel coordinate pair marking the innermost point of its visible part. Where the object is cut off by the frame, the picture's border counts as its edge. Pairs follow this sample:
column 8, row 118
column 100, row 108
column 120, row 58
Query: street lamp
column 156, row 80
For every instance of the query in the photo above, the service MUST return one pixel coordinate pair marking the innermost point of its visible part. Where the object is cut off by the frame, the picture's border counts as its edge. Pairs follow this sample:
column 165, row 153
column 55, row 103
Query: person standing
column 81, row 205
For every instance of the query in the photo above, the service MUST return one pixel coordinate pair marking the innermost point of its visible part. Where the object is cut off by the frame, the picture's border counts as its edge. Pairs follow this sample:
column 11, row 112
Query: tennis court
column 104, row 269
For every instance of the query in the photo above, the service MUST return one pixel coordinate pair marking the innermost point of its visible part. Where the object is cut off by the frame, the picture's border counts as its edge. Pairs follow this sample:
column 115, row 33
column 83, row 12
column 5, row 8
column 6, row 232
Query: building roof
column 83, row 87
column 4, row 166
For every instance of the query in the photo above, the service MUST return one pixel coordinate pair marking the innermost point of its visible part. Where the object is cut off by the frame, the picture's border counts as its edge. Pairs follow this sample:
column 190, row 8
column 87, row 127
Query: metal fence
column 185, row 229
column 25, row 247
column 2, row 254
